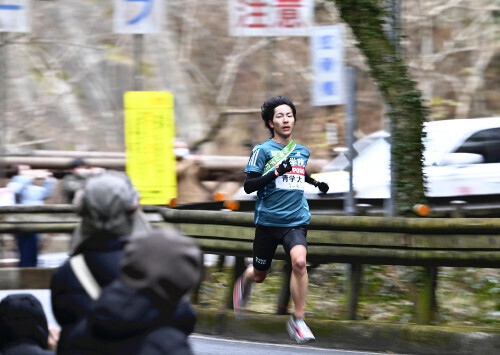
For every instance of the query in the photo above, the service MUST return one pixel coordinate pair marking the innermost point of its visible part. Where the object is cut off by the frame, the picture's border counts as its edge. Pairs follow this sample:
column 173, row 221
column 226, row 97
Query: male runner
column 276, row 170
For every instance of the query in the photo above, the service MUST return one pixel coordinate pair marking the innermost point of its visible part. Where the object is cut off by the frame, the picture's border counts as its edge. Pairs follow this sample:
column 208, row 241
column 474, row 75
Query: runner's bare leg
column 299, row 280
column 253, row 275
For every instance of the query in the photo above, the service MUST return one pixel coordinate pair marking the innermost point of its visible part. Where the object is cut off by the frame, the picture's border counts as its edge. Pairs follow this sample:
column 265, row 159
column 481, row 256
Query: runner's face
column 283, row 121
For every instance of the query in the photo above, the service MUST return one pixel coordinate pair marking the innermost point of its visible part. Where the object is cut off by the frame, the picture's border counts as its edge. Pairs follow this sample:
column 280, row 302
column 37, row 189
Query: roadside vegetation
column 465, row 296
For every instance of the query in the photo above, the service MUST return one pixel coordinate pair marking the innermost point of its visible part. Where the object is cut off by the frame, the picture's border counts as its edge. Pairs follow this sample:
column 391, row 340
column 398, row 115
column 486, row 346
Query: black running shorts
column 267, row 239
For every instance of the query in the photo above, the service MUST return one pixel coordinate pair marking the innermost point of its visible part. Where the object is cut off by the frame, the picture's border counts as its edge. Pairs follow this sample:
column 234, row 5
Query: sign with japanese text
column 149, row 142
column 15, row 15
column 270, row 17
column 139, row 16
column 327, row 60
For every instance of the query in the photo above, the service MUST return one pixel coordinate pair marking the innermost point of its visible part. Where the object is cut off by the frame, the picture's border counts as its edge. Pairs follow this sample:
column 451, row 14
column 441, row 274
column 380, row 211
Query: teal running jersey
column 281, row 203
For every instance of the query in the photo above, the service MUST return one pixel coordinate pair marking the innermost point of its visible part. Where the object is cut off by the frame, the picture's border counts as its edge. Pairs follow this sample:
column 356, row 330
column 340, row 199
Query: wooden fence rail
column 425, row 242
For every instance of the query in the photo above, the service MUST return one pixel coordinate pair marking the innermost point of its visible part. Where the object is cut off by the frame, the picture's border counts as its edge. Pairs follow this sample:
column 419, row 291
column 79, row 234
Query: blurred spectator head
column 181, row 149
column 26, row 170
column 109, row 206
column 163, row 264
column 77, row 163
column 18, row 169
column 22, row 319
column 80, row 168
column 267, row 109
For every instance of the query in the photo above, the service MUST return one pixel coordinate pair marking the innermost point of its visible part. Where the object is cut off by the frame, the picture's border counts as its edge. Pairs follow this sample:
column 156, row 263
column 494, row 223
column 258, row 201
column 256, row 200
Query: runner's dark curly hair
column 267, row 109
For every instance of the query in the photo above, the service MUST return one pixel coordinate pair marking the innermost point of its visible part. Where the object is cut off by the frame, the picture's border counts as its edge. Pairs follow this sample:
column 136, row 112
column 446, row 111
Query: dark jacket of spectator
column 109, row 206
column 133, row 315
column 124, row 321
column 70, row 301
column 23, row 326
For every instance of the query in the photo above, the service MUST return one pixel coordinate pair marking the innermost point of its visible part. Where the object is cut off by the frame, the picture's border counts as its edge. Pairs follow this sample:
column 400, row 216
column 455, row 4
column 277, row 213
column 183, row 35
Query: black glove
column 284, row 167
column 323, row 187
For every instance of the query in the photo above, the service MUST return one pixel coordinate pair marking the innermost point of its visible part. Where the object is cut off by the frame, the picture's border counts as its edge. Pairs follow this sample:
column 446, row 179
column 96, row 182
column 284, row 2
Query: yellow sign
column 149, row 144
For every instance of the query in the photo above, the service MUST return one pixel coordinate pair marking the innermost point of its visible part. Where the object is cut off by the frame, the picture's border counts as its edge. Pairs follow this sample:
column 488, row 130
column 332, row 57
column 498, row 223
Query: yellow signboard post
column 149, row 144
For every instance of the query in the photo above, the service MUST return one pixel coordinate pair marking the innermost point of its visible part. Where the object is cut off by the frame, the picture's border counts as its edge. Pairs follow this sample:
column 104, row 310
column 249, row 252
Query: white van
column 461, row 157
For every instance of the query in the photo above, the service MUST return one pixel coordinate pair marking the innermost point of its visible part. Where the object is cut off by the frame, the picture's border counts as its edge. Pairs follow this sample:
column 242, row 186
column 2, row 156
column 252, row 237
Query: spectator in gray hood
column 111, row 215
column 110, row 212
column 133, row 315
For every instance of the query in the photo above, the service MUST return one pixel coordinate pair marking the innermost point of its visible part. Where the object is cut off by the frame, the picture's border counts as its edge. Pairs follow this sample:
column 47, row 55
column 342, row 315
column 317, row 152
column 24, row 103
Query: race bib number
column 293, row 180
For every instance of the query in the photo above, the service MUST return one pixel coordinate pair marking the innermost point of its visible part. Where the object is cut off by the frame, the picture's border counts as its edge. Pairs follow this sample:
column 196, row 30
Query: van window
column 486, row 143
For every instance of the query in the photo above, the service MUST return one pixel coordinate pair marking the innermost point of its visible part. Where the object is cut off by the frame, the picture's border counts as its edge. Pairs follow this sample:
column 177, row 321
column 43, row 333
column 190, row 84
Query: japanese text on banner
column 270, row 17
column 327, row 61
column 149, row 140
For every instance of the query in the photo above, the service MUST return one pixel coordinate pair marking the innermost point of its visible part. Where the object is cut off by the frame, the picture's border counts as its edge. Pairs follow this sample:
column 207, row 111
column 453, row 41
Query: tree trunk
column 366, row 18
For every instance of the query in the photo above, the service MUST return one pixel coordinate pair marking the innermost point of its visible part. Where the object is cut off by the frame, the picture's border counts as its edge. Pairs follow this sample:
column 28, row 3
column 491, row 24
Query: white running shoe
column 298, row 330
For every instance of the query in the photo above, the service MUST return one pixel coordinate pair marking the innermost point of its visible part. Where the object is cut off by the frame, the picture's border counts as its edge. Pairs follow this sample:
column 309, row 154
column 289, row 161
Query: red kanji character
column 289, row 3
column 254, row 14
column 288, row 17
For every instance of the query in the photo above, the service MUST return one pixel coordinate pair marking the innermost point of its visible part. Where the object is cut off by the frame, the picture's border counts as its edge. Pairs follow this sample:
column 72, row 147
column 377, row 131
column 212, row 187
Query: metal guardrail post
column 196, row 292
column 349, row 137
column 426, row 304
column 352, row 290
column 362, row 209
column 355, row 275
column 458, row 211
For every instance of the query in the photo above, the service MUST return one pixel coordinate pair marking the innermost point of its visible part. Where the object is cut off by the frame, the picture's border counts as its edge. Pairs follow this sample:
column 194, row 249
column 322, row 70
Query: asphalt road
column 210, row 345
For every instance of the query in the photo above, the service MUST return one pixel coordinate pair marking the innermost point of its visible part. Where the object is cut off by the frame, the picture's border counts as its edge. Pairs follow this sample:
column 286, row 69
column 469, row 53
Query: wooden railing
column 425, row 242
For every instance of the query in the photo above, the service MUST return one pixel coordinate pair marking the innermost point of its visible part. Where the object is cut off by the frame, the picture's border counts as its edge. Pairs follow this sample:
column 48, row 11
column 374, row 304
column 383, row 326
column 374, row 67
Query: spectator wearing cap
column 79, row 173
column 23, row 326
column 133, row 315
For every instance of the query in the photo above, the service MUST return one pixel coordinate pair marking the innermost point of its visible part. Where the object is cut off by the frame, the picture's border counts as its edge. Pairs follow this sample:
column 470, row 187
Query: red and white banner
column 270, row 17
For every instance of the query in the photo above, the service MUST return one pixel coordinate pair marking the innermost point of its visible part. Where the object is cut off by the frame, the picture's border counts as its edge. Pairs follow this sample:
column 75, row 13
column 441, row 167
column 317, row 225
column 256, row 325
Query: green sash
column 278, row 158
